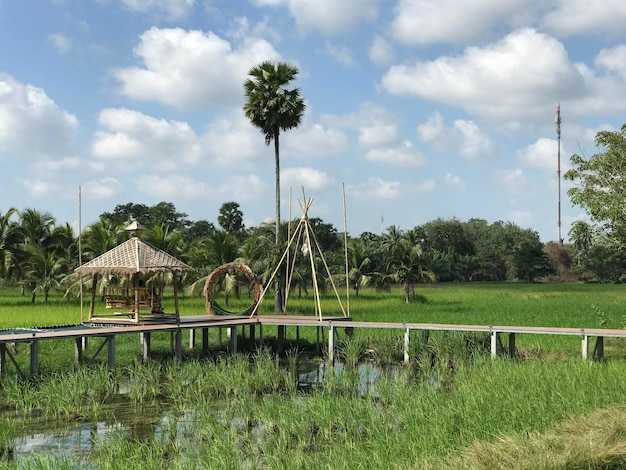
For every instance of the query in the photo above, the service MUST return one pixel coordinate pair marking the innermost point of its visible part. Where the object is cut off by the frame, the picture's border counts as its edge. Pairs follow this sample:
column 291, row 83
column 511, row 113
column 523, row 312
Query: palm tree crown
column 270, row 106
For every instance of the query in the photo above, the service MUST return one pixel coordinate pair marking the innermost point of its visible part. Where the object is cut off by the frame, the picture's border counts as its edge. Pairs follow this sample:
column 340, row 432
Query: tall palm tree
column 272, row 108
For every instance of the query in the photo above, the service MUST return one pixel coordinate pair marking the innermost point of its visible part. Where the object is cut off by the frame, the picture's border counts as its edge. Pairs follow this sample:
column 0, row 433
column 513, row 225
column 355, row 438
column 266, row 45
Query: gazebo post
column 92, row 305
column 174, row 280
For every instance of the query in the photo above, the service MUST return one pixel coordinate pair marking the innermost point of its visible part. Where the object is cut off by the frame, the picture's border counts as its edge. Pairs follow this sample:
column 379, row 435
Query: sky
column 416, row 109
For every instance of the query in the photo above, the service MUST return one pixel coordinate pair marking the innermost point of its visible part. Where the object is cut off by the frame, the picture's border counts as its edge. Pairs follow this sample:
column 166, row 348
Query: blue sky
column 421, row 109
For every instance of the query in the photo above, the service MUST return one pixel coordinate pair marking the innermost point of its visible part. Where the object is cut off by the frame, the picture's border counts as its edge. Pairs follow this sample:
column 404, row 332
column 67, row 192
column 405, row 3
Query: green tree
column 531, row 261
column 581, row 235
column 9, row 240
column 161, row 213
column 230, row 217
column 360, row 265
column 600, row 182
column 199, row 229
column 101, row 236
column 406, row 266
column 273, row 108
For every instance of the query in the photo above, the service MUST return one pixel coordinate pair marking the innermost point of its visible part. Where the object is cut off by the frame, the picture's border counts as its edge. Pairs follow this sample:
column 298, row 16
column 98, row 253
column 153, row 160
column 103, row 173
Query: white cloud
column 429, row 21
column 98, row 190
column 243, row 188
column 425, row 186
column 542, row 155
column 380, row 51
column 130, row 134
column 375, row 189
column 68, row 164
column 26, row 111
column 512, row 181
column 454, row 180
column 191, row 69
column 587, row 17
column 164, row 9
column 379, row 134
column 60, row 42
column 327, row 16
column 613, row 59
column 38, row 188
column 341, row 53
column 308, row 177
column 173, row 187
column 475, row 145
column 511, row 79
column 231, row 141
column 432, row 128
column 312, row 141
column 404, row 155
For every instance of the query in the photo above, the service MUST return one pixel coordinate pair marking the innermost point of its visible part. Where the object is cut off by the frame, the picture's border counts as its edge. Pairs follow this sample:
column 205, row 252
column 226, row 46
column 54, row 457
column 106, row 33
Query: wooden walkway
column 108, row 332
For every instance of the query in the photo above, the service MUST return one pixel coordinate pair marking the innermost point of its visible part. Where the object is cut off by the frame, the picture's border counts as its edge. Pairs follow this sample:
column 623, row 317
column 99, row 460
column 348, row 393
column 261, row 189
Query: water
column 77, row 440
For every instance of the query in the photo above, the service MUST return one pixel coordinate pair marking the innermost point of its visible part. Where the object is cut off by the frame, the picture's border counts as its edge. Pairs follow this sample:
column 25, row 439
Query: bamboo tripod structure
column 305, row 240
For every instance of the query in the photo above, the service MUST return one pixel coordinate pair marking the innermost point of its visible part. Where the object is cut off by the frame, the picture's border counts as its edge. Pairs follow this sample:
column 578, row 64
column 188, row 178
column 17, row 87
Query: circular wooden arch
column 212, row 307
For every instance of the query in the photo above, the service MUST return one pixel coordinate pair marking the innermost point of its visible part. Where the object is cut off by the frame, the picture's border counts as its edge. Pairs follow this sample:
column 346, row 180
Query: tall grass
column 451, row 407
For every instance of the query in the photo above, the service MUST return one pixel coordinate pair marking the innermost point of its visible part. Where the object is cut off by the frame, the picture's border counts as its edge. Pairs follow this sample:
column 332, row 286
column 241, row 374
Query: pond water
column 76, row 440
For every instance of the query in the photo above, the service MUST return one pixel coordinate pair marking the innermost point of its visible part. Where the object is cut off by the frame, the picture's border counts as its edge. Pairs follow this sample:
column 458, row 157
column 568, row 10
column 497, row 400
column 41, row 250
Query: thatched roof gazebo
column 135, row 259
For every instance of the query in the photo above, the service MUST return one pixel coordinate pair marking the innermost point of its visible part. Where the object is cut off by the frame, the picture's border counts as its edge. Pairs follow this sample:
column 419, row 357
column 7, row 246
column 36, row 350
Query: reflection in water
column 157, row 420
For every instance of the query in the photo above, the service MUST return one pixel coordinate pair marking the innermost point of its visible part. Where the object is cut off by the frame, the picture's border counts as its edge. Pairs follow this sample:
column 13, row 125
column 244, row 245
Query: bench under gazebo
column 137, row 260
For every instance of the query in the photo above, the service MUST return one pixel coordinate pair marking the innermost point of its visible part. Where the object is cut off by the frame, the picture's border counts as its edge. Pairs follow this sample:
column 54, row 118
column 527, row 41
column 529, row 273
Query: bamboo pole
column 345, row 244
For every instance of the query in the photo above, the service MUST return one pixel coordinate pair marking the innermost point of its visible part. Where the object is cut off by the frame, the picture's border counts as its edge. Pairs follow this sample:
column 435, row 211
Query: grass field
column 553, row 304
column 451, row 407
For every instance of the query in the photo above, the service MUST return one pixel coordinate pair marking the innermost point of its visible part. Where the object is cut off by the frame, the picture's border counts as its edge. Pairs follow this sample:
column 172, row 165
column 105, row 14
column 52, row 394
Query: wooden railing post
column 406, row 343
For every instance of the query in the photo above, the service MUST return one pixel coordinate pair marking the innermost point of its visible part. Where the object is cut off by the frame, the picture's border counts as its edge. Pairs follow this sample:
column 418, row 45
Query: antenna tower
column 557, row 121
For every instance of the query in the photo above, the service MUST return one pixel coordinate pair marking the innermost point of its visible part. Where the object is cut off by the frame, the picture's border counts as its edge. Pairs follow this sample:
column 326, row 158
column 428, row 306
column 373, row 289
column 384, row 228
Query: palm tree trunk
column 278, row 297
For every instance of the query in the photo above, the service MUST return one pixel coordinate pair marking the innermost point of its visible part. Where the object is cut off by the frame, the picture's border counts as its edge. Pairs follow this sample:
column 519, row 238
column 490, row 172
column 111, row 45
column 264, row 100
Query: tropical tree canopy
column 600, row 182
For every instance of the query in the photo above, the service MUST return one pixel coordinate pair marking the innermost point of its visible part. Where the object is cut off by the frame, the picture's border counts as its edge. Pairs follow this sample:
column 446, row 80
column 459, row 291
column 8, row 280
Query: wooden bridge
column 108, row 332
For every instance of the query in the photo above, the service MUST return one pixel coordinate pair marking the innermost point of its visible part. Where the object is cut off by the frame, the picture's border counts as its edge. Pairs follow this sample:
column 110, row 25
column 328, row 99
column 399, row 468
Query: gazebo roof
column 131, row 257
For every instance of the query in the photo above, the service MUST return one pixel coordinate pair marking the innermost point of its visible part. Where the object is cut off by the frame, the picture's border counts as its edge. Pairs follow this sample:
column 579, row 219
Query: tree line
column 40, row 256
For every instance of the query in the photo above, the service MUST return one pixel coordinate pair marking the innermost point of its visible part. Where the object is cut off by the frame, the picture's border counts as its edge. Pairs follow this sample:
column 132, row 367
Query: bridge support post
column 494, row 344
column 598, row 352
column 512, row 345
column 111, row 352
column 192, row 338
column 3, row 358
column 145, row 347
column 331, row 344
column 78, row 350
column 282, row 332
column 233, row 340
column 34, row 358
column 407, row 335
column 178, row 345
column 205, row 340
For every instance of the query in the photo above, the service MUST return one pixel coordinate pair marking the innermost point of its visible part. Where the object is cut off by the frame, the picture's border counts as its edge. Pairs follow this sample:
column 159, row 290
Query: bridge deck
column 109, row 328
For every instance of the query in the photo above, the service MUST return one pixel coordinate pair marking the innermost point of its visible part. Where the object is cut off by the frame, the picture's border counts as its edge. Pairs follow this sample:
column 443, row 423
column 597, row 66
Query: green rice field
column 450, row 407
